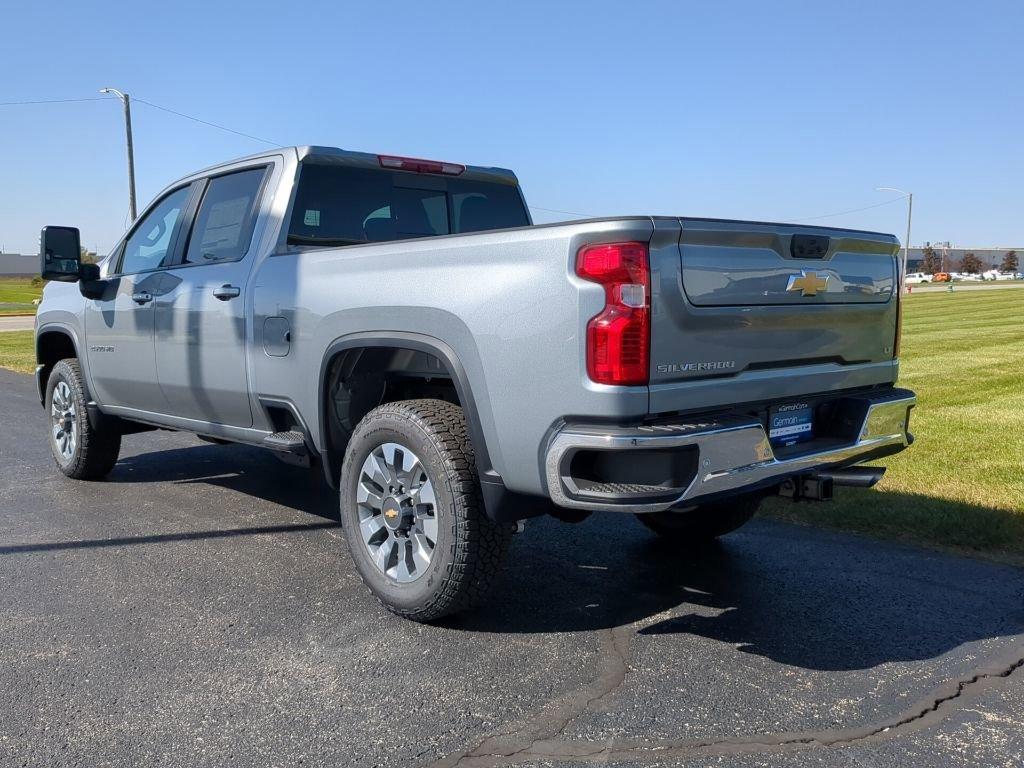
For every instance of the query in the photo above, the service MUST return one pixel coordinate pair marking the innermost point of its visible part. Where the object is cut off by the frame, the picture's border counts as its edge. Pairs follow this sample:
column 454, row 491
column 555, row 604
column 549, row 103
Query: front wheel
column 80, row 450
column 706, row 522
column 412, row 511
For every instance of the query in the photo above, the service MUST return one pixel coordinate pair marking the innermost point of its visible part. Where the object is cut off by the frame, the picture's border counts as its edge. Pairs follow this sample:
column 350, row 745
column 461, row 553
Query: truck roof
column 331, row 155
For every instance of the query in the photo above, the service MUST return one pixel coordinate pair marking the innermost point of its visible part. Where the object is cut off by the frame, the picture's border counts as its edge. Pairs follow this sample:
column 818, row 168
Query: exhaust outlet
column 857, row 477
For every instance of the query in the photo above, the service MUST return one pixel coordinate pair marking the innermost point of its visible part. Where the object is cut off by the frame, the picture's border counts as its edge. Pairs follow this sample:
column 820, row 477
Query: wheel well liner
column 406, row 341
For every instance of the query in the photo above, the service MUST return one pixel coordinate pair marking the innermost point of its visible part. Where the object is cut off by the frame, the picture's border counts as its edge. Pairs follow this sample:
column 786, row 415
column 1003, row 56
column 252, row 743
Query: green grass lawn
column 961, row 485
column 16, row 295
column 17, row 351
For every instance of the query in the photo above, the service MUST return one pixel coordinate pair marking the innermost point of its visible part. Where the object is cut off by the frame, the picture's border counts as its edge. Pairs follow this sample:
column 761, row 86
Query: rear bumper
column 729, row 455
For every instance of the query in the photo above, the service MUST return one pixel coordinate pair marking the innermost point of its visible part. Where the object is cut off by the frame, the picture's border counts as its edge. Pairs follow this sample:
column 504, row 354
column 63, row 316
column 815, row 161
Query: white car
column 973, row 277
column 916, row 278
column 994, row 274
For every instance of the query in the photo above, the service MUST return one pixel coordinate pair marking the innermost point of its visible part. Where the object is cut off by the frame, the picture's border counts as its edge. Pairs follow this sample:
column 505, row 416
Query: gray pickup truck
column 454, row 369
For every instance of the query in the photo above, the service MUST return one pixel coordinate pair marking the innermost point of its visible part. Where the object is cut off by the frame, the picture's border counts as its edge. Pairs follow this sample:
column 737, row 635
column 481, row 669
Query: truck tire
column 80, row 450
column 413, row 514
column 706, row 522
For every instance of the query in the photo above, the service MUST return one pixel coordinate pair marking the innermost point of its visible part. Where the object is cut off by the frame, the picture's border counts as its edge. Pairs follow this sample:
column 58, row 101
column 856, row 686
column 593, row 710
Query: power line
column 800, row 218
column 852, row 210
column 206, row 122
column 278, row 144
column 555, row 210
column 148, row 104
column 48, row 101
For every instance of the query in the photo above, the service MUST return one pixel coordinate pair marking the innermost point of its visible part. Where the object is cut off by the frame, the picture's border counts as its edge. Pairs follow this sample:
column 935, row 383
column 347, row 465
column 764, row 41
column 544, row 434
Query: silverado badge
column 809, row 283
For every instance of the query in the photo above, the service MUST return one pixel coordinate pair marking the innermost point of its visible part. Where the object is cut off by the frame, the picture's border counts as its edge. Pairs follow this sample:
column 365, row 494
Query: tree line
column 931, row 262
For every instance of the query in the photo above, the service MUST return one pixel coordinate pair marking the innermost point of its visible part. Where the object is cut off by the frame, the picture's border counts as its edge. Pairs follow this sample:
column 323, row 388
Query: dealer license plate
column 790, row 423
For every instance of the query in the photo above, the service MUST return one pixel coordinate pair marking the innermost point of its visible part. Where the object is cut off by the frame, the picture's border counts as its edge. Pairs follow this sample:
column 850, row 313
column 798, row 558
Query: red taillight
column 619, row 337
column 420, row 166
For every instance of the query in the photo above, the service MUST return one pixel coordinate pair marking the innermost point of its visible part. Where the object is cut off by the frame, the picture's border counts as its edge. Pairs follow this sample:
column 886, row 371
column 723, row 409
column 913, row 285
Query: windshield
column 338, row 205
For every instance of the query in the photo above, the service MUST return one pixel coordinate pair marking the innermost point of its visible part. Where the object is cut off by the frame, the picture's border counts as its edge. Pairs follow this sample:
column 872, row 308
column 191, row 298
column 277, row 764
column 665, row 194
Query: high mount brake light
column 619, row 337
column 420, row 166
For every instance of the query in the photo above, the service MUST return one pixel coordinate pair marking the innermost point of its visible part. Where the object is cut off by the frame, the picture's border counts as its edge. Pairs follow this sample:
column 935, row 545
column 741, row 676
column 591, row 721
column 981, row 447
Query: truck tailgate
column 737, row 298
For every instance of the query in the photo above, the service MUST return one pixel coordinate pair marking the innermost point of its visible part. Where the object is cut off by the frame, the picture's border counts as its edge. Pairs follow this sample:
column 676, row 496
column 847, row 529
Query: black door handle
column 226, row 292
column 142, row 297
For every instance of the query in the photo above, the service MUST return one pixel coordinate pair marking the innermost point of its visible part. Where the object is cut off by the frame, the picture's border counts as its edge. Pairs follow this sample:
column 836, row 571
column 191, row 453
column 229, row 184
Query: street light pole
column 126, row 101
column 906, row 243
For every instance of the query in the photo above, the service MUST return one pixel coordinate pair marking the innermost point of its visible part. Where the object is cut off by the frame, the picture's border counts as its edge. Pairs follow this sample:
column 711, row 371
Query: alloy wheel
column 397, row 512
column 64, row 418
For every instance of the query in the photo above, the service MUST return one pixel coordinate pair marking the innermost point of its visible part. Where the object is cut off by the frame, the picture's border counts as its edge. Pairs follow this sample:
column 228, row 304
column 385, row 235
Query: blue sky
column 774, row 111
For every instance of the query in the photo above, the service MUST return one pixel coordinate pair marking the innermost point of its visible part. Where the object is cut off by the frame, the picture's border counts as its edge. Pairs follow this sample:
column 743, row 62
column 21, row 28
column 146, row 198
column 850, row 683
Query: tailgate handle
column 809, row 246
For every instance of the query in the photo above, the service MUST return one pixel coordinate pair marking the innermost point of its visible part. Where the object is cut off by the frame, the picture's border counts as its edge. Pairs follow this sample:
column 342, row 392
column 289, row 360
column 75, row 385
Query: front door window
column 149, row 246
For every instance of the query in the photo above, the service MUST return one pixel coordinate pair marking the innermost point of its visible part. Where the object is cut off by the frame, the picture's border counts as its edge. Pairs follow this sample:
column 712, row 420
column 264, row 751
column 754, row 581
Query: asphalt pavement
column 198, row 608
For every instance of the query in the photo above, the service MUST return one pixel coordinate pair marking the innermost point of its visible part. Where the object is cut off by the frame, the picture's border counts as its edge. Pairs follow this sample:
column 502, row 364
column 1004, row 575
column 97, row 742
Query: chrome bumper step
column 733, row 454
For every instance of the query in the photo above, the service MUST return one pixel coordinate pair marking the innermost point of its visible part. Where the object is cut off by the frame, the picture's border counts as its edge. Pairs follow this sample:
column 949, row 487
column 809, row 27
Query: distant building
column 951, row 257
column 26, row 264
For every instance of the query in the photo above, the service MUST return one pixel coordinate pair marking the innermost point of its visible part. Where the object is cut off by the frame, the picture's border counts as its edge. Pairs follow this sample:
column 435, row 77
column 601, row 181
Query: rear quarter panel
column 508, row 304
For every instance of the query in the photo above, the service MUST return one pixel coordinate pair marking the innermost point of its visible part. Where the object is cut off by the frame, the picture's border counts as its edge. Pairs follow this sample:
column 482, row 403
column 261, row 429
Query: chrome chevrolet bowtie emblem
column 808, row 283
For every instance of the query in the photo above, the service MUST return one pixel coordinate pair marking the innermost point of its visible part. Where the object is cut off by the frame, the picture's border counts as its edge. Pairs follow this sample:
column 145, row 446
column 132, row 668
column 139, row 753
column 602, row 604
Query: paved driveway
column 17, row 323
column 199, row 609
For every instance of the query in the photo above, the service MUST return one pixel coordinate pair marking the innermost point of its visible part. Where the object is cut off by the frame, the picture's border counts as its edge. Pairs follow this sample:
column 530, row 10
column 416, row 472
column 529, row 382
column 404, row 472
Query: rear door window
column 226, row 217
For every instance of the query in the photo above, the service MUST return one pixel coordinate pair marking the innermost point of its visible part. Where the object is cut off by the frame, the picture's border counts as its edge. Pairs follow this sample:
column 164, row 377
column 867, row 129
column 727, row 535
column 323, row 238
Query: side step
column 286, row 442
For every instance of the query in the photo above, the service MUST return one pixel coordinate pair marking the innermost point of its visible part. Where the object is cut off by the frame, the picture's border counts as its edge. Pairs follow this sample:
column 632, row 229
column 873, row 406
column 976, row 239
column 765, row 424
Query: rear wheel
column 80, row 450
column 412, row 512
column 707, row 521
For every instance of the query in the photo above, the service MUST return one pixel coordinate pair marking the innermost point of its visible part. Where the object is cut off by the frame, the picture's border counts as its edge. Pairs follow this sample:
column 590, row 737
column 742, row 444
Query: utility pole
column 906, row 243
column 126, row 101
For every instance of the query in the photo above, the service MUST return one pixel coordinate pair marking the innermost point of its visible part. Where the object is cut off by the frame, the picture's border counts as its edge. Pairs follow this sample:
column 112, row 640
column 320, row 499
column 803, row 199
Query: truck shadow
column 799, row 596
column 252, row 471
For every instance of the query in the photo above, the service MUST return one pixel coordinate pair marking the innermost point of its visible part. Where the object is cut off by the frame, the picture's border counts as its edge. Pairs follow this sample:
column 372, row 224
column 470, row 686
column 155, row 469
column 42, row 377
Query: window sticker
column 312, row 218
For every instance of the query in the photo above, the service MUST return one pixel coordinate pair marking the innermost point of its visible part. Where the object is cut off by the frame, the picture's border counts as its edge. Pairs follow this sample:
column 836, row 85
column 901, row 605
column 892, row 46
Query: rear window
column 337, row 203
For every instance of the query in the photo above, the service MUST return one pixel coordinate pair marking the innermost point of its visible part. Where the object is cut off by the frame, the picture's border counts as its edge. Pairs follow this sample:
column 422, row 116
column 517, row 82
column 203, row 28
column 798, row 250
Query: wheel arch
column 451, row 365
column 53, row 343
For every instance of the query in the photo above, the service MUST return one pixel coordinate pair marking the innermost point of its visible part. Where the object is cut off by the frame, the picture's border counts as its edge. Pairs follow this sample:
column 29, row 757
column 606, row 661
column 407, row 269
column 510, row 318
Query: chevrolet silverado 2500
column 454, row 368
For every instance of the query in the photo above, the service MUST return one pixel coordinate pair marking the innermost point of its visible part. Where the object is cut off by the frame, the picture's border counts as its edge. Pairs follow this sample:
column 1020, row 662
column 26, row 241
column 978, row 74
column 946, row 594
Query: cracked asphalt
column 198, row 608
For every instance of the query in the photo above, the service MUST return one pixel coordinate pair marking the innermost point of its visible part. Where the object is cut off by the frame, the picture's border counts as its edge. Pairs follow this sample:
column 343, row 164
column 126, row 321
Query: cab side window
column 149, row 246
column 226, row 217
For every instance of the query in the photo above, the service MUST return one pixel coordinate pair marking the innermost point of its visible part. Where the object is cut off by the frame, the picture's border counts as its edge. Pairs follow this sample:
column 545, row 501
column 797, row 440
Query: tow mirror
column 60, row 254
